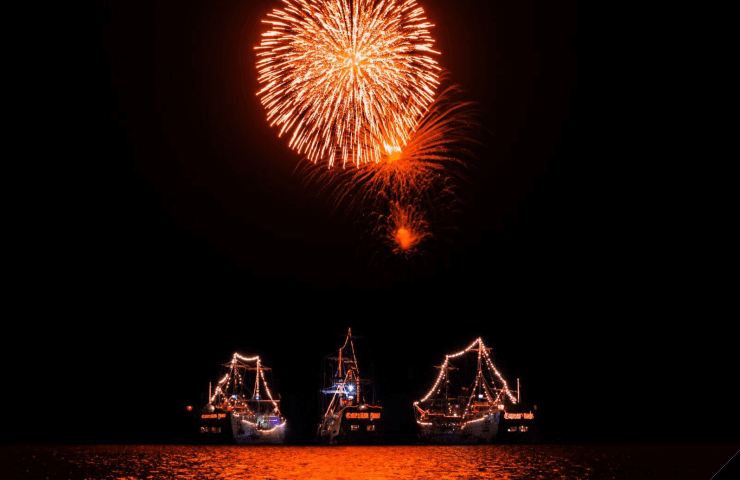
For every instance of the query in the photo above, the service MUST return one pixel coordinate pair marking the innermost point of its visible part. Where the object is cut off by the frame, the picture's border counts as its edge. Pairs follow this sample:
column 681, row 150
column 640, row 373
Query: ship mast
column 234, row 380
column 447, row 391
column 479, row 382
column 343, row 378
column 355, row 366
column 256, row 395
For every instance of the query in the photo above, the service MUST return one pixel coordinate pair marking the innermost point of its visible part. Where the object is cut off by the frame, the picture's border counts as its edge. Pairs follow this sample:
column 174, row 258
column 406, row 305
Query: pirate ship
column 470, row 402
column 349, row 412
column 242, row 409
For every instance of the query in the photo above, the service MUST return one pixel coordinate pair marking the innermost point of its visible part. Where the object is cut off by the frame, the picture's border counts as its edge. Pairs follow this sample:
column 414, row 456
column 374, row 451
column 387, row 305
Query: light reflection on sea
column 504, row 462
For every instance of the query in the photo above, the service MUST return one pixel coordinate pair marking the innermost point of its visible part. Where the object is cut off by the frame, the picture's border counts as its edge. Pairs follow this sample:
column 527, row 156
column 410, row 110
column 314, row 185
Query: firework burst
column 338, row 75
column 430, row 168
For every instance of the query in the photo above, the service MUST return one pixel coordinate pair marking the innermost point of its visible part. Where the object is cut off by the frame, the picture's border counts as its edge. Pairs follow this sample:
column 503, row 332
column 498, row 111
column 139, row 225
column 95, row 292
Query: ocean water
column 506, row 462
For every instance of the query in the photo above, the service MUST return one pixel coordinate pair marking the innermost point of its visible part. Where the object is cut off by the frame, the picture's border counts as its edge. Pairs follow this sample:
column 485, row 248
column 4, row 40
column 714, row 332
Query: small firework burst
column 404, row 230
column 338, row 74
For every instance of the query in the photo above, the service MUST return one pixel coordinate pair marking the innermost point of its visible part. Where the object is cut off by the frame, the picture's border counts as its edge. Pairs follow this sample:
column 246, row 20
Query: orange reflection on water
column 438, row 462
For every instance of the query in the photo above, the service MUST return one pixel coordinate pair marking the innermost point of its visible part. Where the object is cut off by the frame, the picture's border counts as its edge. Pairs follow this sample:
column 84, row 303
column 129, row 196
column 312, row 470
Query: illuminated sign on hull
column 363, row 415
column 213, row 415
column 519, row 416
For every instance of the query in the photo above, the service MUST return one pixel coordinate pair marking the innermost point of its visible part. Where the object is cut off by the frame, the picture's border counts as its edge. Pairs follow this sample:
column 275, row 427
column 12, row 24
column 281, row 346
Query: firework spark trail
column 340, row 74
column 430, row 168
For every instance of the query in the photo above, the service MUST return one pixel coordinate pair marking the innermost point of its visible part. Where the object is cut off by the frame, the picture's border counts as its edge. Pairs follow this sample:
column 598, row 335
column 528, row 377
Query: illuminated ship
column 242, row 409
column 347, row 416
column 471, row 402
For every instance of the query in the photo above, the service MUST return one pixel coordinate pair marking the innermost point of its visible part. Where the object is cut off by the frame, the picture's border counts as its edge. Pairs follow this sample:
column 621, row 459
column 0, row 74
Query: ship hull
column 354, row 425
column 500, row 427
column 233, row 428
column 484, row 429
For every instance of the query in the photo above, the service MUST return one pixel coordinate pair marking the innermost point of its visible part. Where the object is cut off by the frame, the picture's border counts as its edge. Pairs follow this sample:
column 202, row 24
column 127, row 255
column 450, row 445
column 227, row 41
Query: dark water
column 508, row 462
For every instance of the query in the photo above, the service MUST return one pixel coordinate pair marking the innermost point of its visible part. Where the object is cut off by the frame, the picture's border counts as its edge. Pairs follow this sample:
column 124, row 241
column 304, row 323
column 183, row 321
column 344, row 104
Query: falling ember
column 338, row 74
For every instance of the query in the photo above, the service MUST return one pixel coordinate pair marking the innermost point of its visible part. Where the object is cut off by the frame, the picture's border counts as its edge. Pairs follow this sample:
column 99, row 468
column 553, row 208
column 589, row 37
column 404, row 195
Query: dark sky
column 183, row 233
column 206, row 187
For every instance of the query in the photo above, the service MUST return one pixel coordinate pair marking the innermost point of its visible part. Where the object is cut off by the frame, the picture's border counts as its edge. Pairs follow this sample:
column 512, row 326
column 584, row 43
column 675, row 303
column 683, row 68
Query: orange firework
column 431, row 165
column 404, row 230
column 340, row 74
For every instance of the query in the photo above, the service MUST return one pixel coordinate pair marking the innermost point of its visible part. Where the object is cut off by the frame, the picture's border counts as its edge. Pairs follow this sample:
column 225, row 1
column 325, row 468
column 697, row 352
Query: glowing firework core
column 394, row 153
column 403, row 238
column 337, row 73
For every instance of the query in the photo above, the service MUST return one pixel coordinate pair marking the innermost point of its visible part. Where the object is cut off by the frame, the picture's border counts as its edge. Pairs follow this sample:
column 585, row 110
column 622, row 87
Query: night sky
column 183, row 232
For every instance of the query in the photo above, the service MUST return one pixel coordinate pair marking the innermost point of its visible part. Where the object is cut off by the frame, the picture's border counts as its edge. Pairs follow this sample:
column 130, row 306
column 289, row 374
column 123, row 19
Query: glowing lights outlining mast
column 484, row 357
column 338, row 75
column 234, row 378
column 472, row 411
column 257, row 381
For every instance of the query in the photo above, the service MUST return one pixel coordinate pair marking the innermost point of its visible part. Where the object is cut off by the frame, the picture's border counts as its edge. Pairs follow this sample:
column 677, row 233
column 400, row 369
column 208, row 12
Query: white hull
column 245, row 431
column 481, row 430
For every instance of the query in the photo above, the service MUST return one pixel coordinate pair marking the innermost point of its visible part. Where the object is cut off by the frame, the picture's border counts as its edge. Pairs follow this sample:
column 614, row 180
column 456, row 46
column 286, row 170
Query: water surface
column 506, row 462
